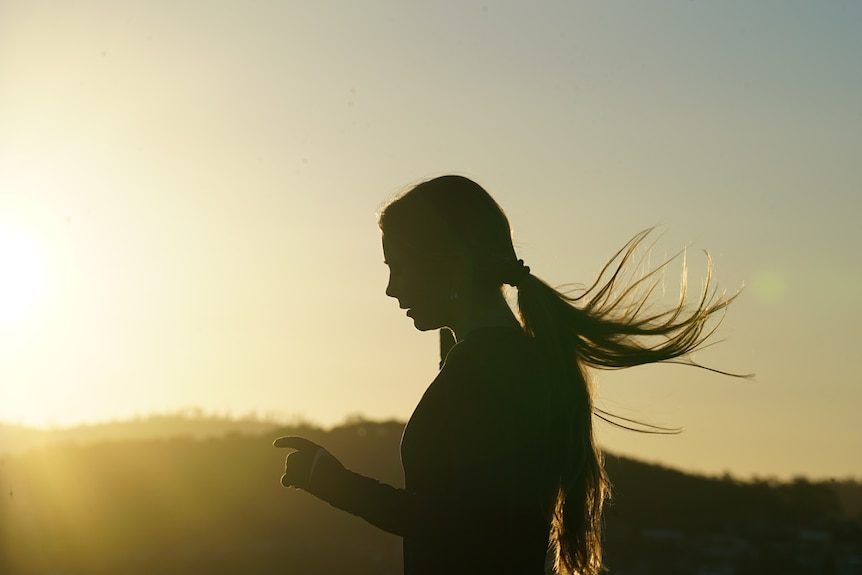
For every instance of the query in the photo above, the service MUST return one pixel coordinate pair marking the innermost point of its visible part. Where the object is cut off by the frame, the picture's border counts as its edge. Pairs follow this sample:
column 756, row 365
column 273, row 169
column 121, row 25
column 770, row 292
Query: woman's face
column 423, row 289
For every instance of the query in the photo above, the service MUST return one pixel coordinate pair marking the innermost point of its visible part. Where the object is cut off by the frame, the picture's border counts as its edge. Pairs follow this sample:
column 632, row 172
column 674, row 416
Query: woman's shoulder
column 498, row 352
column 500, row 383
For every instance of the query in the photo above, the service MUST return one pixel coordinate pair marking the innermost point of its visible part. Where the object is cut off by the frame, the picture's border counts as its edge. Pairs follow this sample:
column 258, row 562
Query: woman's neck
column 481, row 312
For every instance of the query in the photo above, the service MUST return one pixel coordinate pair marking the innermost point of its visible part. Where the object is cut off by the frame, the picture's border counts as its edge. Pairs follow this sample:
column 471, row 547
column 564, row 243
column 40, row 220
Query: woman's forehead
column 392, row 248
column 398, row 251
column 397, row 248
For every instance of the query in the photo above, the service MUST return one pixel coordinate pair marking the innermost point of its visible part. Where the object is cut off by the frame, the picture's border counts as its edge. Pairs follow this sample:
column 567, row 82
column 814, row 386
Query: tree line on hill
column 214, row 505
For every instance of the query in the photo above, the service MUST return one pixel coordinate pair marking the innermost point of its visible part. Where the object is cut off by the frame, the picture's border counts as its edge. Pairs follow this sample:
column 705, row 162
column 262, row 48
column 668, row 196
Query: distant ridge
column 196, row 424
column 16, row 439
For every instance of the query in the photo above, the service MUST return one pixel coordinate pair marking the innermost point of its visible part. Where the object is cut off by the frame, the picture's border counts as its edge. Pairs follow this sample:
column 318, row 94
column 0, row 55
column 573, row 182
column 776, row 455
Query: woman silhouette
column 500, row 463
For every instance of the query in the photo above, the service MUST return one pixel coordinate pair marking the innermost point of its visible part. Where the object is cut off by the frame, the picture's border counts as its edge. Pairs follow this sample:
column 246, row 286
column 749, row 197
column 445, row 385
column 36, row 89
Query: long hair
column 608, row 325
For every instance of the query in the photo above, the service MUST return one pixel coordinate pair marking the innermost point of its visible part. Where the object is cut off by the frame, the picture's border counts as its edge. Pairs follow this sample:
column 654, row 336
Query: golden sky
column 188, row 194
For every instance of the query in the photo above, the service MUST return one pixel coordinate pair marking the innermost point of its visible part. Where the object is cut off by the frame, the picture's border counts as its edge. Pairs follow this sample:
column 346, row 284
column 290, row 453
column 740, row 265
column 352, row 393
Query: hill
column 188, row 423
column 197, row 504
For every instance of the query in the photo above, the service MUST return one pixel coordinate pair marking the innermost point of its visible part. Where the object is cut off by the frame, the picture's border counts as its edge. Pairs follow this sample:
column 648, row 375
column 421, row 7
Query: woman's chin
column 422, row 324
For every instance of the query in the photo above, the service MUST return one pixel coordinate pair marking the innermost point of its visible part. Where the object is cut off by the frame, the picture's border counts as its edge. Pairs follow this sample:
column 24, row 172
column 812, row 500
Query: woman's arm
column 312, row 468
column 474, row 493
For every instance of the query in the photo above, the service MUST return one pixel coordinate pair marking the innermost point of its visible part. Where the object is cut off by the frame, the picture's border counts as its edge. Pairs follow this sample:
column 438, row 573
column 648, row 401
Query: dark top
column 477, row 497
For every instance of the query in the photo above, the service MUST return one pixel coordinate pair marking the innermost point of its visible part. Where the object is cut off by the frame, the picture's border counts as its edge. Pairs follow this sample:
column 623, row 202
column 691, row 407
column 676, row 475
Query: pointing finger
column 295, row 442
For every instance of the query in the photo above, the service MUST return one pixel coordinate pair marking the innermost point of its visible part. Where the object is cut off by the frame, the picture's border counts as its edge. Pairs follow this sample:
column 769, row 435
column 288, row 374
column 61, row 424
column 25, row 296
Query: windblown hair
column 608, row 325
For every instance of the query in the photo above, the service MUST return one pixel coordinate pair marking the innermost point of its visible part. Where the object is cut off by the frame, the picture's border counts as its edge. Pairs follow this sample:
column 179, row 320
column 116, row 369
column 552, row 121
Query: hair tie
column 517, row 274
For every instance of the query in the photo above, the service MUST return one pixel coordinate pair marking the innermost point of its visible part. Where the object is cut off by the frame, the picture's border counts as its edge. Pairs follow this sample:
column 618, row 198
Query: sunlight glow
column 22, row 275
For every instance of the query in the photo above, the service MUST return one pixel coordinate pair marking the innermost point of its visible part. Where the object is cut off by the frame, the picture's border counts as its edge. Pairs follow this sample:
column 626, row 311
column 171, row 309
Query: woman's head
column 444, row 239
column 452, row 222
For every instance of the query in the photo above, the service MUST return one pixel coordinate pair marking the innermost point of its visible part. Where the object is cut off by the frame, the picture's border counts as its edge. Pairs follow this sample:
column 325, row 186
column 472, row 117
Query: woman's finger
column 295, row 442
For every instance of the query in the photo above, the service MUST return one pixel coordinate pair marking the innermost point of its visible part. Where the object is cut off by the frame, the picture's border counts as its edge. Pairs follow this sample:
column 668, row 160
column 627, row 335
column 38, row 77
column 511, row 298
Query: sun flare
column 22, row 275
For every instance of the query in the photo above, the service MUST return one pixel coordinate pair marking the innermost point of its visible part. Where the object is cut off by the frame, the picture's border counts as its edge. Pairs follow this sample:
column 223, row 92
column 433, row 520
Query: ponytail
column 605, row 327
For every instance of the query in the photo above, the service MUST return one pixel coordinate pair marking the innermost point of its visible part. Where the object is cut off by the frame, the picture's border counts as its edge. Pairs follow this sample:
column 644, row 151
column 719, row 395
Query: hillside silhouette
column 213, row 504
column 184, row 423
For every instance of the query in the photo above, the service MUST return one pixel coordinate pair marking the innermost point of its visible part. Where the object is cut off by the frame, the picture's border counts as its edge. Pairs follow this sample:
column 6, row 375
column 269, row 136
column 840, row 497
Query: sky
column 188, row 199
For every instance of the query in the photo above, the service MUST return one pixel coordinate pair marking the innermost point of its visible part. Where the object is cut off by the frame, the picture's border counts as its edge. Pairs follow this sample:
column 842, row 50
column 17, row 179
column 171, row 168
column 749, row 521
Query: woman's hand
column 309, row 466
